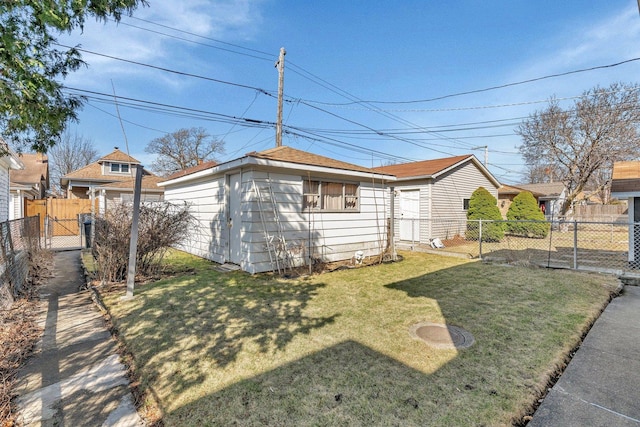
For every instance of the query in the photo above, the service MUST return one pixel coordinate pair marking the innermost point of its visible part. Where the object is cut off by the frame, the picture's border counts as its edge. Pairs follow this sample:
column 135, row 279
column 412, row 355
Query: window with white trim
column 330, row 196
column 120, row 167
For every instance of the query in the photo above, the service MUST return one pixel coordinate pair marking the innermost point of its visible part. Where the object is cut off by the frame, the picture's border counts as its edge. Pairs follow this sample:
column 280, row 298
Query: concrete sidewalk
column 75, row 377
column 601, row 385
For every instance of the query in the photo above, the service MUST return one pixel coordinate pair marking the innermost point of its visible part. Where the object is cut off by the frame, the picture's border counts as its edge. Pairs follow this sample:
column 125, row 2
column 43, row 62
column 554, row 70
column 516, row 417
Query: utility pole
column 486, row 151
column 280, row 65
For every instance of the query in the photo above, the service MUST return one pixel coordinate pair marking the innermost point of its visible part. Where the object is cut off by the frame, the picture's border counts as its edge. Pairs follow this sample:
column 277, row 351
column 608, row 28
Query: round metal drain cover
column 442, row 336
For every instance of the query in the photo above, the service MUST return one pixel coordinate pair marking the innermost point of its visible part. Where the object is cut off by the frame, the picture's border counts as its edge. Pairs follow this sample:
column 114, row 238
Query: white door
column 409, row 214
column 235, row 219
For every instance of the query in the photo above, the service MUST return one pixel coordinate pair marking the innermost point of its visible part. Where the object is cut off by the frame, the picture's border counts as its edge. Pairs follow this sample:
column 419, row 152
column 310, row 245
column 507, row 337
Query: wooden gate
column 63, row 212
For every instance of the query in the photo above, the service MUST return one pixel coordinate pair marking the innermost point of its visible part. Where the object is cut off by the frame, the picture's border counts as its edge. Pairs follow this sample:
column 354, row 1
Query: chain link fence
column 18, row 239
column 67, row 233
column 583, row 245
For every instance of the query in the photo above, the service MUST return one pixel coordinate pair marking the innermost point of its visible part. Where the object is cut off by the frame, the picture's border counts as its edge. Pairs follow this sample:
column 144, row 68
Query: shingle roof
column 149, row 183
column 193, row 169
column 544, row 188
column 35, row 169
column 625, row 177
column 510, row 189
column 118, row 156
column 421, row 168
column 292, row 155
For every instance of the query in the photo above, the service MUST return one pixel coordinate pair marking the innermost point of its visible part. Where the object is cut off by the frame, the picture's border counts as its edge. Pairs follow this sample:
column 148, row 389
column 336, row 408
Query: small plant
column 161, row 226
column 483, row 206
column 525, row 218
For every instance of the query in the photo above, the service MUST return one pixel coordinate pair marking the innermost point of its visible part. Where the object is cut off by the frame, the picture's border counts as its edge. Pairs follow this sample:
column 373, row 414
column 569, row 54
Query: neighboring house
column 431, row 197
column 110, row 179
column 551, row 195
column 506, row 194
column 7, row 163
column 323, row 209
column 30, row 183
column 625, row 184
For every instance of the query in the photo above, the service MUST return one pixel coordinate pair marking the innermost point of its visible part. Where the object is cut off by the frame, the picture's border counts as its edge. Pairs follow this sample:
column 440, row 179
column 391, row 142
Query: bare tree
column 73, row 152
column 182, row 149
column 602, row 127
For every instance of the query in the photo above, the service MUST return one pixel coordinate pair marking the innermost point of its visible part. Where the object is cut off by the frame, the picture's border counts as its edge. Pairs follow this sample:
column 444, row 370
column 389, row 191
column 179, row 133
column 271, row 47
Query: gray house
column 431, row 197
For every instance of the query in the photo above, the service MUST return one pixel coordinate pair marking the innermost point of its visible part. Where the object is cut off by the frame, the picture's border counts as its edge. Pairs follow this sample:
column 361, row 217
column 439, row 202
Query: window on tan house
column 120, row 167
column 330, row 196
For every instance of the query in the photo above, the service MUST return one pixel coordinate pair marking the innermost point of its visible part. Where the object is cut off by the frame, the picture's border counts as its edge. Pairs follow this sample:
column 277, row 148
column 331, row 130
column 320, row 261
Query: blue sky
column 353, row 71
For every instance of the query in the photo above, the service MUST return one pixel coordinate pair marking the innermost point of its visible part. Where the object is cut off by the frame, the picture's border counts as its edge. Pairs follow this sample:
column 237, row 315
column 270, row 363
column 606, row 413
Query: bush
column 483, row 206
column 525, row 208
column 161, row 225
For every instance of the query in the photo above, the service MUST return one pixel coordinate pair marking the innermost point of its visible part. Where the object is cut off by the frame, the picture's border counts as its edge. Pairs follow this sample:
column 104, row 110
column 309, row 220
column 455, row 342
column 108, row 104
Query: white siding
column 206, row 200
column 15, row 206
column 442, row 211
column 324, row 236
column 4, row 193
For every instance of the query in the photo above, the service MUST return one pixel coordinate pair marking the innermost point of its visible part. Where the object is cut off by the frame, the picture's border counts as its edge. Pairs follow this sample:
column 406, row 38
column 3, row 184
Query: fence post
column 480, row 237
column 575, row 244
column 413, row 229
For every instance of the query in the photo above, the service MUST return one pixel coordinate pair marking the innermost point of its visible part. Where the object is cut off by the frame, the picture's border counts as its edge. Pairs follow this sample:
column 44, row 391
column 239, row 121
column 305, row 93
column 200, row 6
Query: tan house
column 111, row 180
column 30, row 183
column 506, row 194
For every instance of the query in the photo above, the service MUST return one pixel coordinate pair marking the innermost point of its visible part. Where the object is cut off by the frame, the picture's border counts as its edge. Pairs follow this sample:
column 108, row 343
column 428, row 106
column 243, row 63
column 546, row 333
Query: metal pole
column 480, row 237
column 392, row 214
column 133, row 245
column 575, row 244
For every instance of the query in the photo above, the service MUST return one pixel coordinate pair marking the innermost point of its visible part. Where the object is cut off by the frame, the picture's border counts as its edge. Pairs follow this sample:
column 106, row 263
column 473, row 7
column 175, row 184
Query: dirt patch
column 19, row 332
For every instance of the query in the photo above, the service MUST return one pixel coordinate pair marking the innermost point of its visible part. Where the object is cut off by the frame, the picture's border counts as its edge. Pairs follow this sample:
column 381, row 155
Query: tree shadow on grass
column 212, row 318
column 345, row 384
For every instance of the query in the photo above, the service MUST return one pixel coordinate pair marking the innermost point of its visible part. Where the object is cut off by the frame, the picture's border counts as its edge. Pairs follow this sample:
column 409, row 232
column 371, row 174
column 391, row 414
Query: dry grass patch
column 335, row 349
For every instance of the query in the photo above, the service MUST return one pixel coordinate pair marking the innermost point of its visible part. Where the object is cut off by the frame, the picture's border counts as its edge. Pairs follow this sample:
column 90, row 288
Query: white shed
column 282, row 206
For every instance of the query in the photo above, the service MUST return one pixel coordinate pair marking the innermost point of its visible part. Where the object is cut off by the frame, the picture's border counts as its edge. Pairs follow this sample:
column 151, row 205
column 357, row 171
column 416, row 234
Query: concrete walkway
column 601, row 385
column 75, row 377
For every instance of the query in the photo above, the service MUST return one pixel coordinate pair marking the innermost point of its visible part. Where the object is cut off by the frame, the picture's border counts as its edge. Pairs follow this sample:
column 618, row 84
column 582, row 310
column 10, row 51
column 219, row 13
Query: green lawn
column 335, row 349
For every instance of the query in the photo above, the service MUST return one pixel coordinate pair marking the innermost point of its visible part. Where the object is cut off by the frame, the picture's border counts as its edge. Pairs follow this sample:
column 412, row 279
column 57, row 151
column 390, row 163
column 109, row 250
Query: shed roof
column 626, row 177
column 193, row 169
column 292, row 155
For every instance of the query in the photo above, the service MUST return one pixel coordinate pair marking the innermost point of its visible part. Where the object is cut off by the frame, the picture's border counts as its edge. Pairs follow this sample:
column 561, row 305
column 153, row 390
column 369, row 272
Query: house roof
column 545, row 188
column 292, row 155
column 36, row 169
column 422, row 168
column 149, row 183
column 93, row 171
column 118, row 156
column 433, row 168
column 510, row 189
column 626, row 177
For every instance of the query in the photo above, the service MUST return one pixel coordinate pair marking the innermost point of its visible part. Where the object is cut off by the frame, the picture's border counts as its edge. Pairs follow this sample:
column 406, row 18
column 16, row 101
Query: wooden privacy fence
column 61, row 211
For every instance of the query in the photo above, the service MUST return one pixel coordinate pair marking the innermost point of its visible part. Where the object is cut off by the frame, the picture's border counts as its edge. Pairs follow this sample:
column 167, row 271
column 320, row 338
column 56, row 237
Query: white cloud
column 223, row 18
